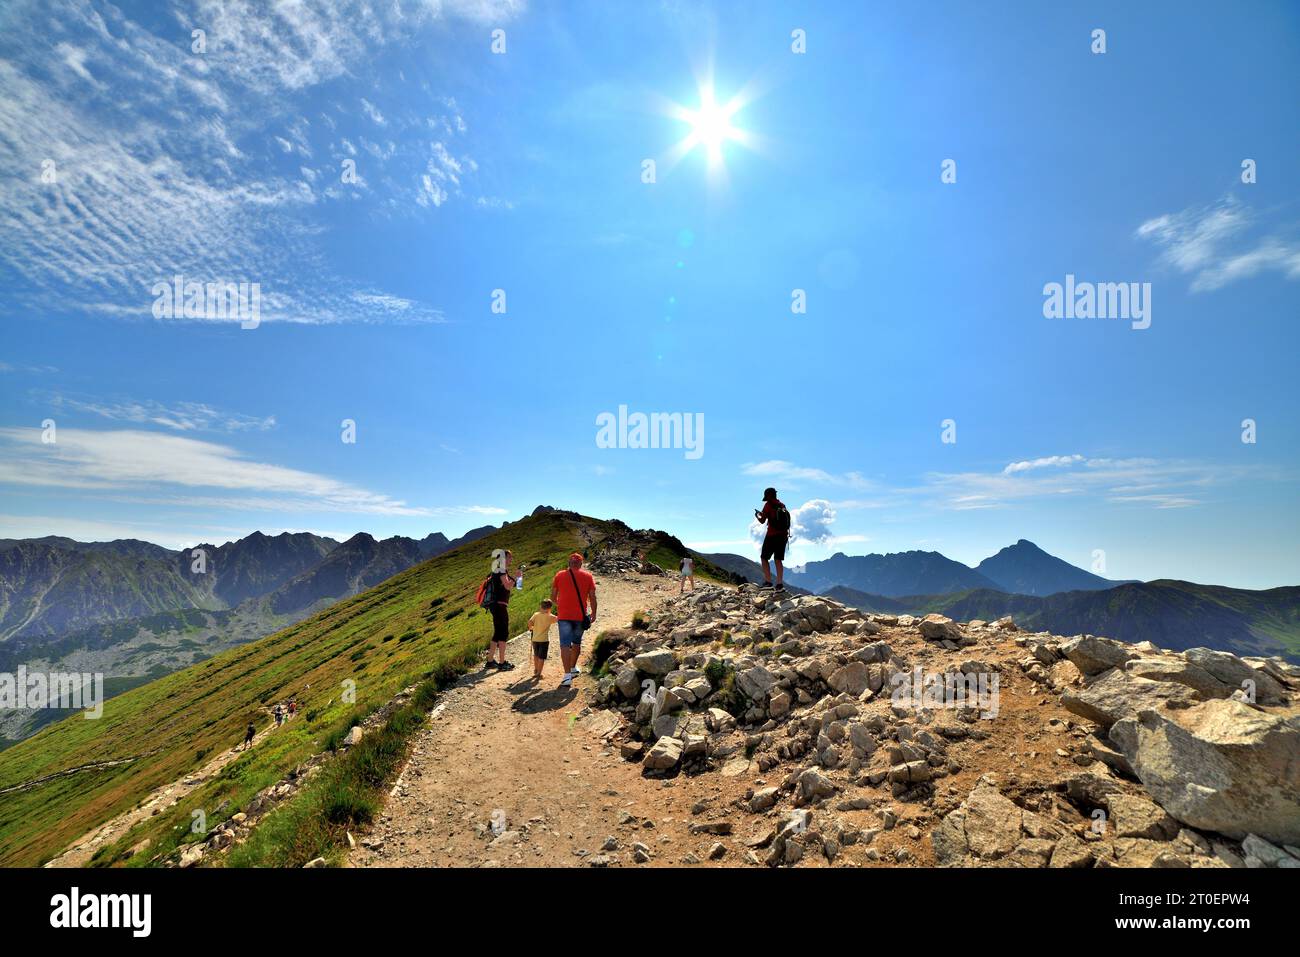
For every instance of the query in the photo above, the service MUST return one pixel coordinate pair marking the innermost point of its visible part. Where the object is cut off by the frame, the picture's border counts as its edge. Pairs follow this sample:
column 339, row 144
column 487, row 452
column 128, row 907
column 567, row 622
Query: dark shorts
column 540, row 648
column 773, row 547
column 500, row 623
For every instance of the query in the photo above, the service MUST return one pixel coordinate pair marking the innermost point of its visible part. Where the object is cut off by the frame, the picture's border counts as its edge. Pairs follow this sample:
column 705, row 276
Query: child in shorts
column 540, row 626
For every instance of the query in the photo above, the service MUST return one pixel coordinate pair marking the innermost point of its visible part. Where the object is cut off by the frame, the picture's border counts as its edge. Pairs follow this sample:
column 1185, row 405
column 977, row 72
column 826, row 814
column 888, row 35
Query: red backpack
column 488, row 592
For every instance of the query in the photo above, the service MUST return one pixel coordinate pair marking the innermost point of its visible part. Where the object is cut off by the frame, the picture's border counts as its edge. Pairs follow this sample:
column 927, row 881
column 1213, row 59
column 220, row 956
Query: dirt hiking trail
column 500, row 741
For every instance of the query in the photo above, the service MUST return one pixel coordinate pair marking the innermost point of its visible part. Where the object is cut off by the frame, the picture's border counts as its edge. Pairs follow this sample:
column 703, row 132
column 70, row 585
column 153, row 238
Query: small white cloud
column 373, row 112
column 1213, row 246
column 1051, row 461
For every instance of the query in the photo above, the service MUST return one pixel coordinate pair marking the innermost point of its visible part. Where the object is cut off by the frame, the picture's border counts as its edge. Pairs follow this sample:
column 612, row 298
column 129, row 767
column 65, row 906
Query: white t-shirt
column 688, row 566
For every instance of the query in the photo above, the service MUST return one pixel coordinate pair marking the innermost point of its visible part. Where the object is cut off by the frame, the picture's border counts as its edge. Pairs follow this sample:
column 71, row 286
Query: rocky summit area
column 819, row 734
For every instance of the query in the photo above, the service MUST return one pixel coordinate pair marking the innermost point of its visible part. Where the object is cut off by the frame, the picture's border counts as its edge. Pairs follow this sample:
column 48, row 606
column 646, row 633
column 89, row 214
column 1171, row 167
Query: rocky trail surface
column 537, row 756
column 746, row 728
column 80, row 852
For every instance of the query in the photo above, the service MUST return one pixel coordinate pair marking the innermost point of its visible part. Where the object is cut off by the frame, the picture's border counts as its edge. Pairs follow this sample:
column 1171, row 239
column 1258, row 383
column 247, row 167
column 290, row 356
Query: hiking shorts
column 570, row 634
column 773, row 547
column 500, row 623
column 540, row 648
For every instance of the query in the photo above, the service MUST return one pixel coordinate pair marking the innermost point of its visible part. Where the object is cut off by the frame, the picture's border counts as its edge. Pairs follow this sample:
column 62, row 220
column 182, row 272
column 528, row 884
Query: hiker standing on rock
column 688, row 573
column 777, row 519
column 571, row 592
column 496, row 599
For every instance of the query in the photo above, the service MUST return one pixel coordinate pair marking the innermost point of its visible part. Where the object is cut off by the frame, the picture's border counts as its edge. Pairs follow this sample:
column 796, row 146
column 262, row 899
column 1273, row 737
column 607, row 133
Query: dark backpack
column 780, row 520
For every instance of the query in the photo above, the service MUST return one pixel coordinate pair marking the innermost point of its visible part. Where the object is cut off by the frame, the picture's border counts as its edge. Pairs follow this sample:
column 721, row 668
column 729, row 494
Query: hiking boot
column 779, row 587
column 766, row 585
column 505, row 666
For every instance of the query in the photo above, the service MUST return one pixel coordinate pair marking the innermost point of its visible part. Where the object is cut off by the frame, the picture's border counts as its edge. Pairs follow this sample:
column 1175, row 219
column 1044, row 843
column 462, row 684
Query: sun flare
column 710, row 125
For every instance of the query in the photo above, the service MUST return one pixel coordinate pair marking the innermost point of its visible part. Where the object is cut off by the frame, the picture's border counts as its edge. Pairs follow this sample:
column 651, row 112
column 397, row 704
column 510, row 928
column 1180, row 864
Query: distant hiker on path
column 249, row 735
column 495, row 597
column 688, row 573
column 777, row 519
column 279, row 715
column 540, row 626
column 571, row 592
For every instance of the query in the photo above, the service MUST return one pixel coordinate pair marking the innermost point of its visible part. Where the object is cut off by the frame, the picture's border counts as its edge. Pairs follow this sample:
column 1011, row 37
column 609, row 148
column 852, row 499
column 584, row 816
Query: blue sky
column 522, row 171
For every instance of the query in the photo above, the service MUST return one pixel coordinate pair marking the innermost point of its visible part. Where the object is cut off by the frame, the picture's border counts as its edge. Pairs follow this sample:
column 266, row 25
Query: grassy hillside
column 420, row 623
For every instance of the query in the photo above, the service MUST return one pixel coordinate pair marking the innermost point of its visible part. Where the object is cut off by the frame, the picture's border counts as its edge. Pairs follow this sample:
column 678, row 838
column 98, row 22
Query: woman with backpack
column 495, row 597
column 777, row 519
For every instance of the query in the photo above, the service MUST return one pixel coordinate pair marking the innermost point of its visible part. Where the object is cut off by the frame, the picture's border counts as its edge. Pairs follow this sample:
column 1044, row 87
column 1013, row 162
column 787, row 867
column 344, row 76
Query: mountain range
column 134, row 611
column 1022, row 568
column 1040, row 591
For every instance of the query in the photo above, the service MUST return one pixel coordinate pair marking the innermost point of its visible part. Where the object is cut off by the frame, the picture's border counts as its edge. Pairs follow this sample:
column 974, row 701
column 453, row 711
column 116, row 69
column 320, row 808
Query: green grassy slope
column 417, row 624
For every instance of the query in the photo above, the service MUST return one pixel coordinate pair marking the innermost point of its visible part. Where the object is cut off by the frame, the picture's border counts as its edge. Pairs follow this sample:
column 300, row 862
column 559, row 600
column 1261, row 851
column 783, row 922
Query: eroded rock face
column 1116, row 694
column 1219, row 766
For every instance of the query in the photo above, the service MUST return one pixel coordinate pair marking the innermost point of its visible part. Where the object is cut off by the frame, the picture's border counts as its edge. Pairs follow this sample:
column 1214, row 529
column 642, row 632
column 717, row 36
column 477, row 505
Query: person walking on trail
column 540, row 626
column 688, row 573
column 777, row 519
column 495, row 597
column 249, row 735
column 279, row 715
column 572, row 592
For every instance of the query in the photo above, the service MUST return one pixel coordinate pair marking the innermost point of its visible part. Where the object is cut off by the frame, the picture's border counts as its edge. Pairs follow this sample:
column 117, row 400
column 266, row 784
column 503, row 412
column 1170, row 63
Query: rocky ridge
column 969, row 744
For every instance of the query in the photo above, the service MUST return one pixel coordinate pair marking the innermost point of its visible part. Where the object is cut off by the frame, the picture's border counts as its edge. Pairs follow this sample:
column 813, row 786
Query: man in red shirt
column 777, row 519
column 572, row 591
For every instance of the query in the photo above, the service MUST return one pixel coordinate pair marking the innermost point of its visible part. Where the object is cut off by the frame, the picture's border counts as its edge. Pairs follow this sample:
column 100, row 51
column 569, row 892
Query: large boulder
column 1219, row 766
column 1093, row 655
column 657, row 662
column 986, row 826
column 1116, row 694
column 665, row 755
column 1179, row 670
column 754, row 682
column 939, row 628
column 852, row 679
column 1232, row 671
column 1133, row 816
column 627, row 682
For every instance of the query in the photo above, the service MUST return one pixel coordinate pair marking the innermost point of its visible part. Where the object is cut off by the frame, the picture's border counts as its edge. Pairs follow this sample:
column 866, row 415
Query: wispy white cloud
column 136, row 461
column 179, row 416
column 1122, row 481
column 1220, row 244
column 128, row 154
column 26, row 369
column 779, row 470
column 373, row 112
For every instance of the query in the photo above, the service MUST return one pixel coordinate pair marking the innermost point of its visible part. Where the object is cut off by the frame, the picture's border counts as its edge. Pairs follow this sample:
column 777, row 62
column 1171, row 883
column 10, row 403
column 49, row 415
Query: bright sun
column 711, row 123
column 710, row 126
